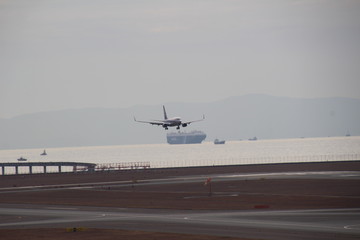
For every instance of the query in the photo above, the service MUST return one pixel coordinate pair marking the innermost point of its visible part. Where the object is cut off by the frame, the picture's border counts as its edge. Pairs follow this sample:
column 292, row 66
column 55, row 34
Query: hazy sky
column 62, row 54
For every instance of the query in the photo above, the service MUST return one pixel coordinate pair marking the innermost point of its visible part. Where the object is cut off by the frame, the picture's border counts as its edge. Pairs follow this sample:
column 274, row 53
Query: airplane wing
column 155, row 122
column 194, row 120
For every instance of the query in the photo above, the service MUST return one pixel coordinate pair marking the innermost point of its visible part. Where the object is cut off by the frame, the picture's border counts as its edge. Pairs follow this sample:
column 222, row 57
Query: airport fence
column 257, row 160
column 122, row 166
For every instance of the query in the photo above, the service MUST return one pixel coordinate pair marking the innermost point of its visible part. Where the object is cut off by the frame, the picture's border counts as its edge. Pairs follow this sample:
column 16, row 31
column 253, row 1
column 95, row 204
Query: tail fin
column 165, row 115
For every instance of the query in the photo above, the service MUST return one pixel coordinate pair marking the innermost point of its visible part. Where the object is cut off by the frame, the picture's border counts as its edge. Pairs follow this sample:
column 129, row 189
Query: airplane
column 170, row 122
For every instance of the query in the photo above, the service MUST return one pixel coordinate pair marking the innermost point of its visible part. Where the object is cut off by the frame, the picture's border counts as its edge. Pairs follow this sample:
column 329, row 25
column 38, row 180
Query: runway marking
column 295, row 174
column 61, row 208
column 214, row 195
column 352, row 226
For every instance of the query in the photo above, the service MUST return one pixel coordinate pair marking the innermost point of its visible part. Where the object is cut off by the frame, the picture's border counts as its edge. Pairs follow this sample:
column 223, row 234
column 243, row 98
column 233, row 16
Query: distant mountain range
column 234, row 118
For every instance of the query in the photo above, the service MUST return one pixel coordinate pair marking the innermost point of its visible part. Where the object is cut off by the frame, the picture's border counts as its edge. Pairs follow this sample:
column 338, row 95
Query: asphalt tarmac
column 191, row 179
column 258, row 224
column 253, row 224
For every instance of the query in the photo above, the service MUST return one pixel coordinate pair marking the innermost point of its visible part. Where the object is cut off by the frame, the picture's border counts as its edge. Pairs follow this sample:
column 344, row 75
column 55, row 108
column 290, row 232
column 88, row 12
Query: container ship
column 185, row 137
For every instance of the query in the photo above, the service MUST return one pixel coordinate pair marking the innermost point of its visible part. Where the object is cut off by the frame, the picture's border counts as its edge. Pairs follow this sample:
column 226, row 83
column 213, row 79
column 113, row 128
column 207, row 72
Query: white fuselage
column 176, row 121
column 169, row 122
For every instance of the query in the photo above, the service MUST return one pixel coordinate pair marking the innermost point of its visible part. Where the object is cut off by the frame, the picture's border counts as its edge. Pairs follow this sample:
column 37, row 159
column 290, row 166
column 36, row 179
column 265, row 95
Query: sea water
column 205, row 154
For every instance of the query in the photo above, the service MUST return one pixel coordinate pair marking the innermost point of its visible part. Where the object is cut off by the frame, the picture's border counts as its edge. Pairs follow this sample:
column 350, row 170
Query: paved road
column 303, row 224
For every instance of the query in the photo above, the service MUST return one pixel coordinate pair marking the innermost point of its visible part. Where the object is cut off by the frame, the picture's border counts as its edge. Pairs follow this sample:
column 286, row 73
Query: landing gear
column 178, row 127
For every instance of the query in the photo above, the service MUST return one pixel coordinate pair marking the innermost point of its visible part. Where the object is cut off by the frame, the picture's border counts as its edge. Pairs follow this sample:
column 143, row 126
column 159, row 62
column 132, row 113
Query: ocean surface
column 205, row 154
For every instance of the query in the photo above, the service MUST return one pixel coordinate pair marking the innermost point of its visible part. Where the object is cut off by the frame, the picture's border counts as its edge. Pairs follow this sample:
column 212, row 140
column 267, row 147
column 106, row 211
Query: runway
column 342, row 223
column 259, row 224
column 197, row 178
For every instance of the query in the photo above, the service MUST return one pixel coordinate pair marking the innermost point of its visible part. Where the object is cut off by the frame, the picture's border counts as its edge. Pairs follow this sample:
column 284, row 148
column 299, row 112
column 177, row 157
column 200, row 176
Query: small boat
column 44, row 153
column 217, row 141
column 22, row 159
